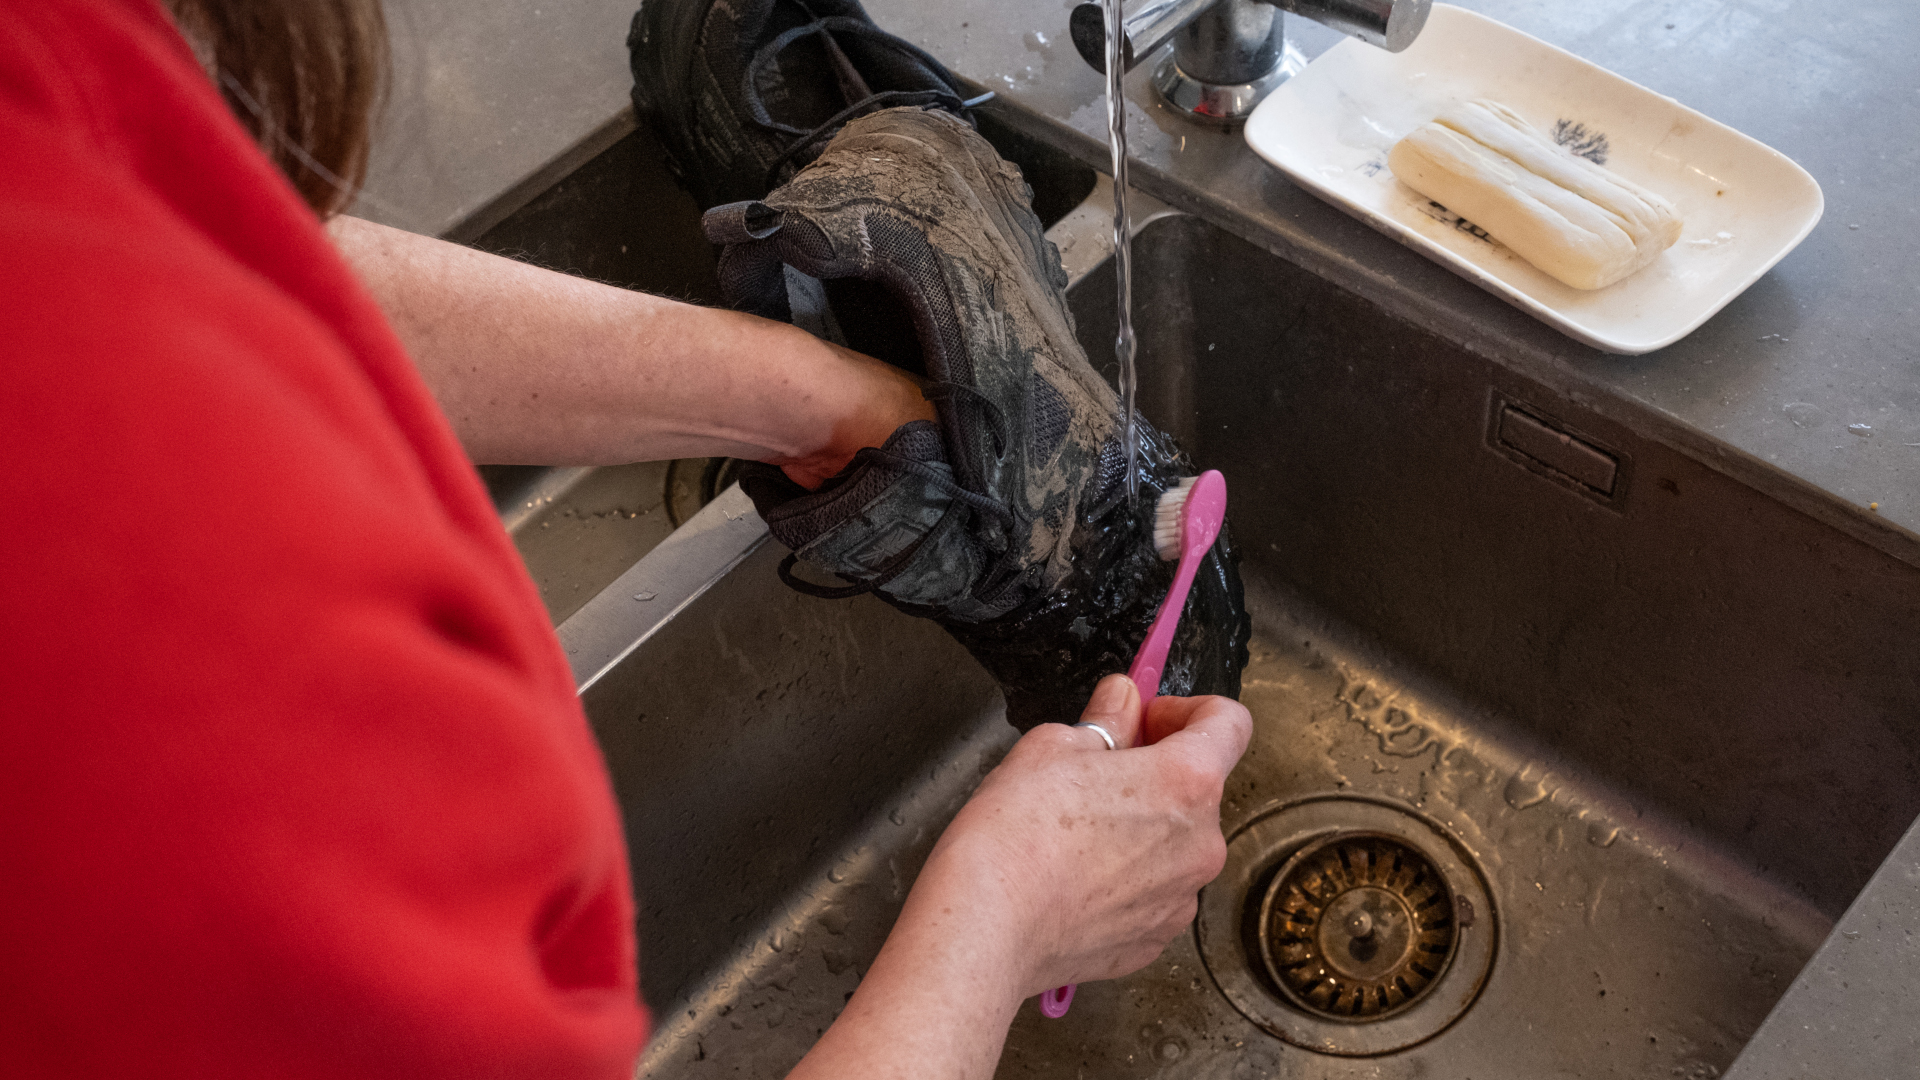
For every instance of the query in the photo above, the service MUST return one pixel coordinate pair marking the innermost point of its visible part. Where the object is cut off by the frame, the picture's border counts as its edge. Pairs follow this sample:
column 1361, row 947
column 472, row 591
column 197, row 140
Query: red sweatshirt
column 293, row 782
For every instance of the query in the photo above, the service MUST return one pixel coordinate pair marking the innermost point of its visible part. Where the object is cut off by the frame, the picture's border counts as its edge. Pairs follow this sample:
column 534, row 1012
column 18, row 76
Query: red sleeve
column 292, row 779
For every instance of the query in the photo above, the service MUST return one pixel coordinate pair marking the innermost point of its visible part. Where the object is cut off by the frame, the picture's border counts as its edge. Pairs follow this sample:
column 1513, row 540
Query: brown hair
column 305, row 77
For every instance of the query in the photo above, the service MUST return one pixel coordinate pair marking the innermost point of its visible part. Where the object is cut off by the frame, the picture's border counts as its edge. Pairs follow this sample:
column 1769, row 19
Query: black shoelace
column 895, row 565
column 1005, row 573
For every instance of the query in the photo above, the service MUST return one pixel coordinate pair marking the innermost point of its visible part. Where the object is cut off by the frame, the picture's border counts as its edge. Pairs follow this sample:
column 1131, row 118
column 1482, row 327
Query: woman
column 293, row 779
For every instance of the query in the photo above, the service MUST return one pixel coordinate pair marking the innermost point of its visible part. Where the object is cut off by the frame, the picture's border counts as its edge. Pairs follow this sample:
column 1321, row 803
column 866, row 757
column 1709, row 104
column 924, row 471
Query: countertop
column 495, row 99
column 488, row 99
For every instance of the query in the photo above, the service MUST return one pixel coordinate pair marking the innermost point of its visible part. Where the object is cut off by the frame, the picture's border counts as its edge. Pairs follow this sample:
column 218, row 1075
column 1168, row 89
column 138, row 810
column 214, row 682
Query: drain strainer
column 1347, row 926
column 1356, row 926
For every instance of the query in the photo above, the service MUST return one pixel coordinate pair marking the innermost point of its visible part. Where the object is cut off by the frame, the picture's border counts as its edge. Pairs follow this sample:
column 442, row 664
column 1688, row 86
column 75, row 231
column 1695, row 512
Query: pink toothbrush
column 1186, row 522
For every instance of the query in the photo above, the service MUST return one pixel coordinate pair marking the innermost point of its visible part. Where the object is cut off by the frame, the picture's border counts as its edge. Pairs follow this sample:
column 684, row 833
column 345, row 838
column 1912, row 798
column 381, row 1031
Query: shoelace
column 851, row 83
column 1003, row 577
column 993, row 585
column 937, row 392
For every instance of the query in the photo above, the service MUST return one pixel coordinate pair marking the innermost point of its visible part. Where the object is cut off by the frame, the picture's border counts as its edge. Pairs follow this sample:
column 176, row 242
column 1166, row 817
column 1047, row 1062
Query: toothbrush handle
column 1200, row 523
column 1055, row 1002
column 1151, row 660
column 1145, row 673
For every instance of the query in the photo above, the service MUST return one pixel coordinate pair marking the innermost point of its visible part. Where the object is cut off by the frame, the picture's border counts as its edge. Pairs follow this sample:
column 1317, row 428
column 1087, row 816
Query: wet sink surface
column 1618, row 951
column 1665, row 721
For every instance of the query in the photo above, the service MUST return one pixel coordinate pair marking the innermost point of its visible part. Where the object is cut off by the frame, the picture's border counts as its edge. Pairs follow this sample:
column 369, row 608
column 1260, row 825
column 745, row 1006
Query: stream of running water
column 1123, row 343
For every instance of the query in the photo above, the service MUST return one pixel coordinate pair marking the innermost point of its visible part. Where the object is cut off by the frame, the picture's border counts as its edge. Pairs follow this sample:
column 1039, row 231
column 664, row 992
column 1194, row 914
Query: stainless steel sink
column 1651, row 726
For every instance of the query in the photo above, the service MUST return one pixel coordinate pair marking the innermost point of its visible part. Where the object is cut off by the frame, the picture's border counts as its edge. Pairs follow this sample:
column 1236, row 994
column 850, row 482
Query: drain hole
column 1353, row 928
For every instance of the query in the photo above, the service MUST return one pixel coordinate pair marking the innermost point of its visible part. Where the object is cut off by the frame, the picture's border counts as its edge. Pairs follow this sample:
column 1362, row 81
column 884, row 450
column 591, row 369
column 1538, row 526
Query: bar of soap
column 1574, row 220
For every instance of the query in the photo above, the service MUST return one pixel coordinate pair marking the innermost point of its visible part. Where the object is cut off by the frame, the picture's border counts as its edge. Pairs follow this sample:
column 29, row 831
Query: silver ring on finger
column 1105, row 735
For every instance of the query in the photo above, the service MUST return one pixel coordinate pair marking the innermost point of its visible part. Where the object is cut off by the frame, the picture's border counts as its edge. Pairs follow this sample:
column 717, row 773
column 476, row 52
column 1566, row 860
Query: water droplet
column 1170, row 1050
column 1803, row 413
column 834, row 920
column 1602, row 834
column 837, row 958
column 897, row 816
column 644, row 596
column 1865, row 431
column 776, row 1015
column 836, row 875
column 1522, row 793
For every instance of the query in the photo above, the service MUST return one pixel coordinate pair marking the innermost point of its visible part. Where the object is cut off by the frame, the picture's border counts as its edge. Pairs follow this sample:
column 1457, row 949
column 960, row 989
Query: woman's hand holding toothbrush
column 1139, row 833
column 1071, row 863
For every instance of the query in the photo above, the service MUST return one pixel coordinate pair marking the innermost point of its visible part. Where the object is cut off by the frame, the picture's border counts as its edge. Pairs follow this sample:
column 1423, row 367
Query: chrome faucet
column 1229, row 54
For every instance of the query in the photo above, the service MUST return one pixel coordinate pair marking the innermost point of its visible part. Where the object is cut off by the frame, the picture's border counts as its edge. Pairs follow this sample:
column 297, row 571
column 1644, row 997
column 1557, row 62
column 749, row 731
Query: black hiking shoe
column 742, row 93
column 1007, row 520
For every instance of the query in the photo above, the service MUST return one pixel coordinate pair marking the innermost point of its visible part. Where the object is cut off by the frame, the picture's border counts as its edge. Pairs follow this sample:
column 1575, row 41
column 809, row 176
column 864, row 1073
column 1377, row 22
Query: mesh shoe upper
column 919, row 204
column 1006, row 520
column 743, row 92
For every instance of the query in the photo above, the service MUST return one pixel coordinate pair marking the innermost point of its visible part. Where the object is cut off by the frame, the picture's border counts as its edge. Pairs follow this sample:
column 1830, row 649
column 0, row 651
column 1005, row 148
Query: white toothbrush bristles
column 1166, row 519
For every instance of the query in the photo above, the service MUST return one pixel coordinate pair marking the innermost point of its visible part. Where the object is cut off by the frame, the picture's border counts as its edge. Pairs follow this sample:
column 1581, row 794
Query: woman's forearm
column 939, row 998
column 537, row 367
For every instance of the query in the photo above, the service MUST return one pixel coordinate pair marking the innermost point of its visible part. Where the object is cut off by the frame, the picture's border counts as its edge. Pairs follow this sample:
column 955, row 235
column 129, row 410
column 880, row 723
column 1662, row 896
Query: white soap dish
column 1745, row 204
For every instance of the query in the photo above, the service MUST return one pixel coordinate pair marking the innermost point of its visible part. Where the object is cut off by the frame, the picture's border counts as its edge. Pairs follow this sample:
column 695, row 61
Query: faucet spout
column 1390, row 24
column 1229, row 54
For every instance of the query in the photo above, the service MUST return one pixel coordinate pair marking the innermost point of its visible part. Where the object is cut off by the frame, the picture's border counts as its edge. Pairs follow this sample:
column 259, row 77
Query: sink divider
column 661, row 585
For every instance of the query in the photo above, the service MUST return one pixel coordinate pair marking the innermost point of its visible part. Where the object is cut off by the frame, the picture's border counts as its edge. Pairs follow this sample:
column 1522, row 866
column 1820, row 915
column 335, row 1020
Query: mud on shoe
column 744, row 92
column 911, row 239
column 1049, row 653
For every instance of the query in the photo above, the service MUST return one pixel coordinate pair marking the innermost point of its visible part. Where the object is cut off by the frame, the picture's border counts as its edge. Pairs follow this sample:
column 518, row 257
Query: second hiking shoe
column 744, row 92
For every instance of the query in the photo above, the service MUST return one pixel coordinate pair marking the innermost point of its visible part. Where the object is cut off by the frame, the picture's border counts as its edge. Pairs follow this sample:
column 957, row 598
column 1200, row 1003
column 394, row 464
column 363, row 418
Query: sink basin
column 1653, row 727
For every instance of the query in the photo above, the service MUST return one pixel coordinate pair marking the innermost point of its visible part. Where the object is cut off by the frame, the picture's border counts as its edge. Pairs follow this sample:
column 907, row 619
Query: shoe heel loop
column 752, row 272
column 740, row 222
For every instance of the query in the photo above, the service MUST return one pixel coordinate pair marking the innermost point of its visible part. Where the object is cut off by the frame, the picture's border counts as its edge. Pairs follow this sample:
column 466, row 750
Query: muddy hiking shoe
column 1006, row 521
column 743, row 93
